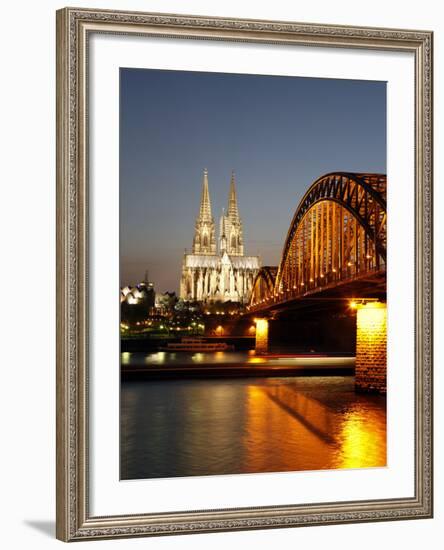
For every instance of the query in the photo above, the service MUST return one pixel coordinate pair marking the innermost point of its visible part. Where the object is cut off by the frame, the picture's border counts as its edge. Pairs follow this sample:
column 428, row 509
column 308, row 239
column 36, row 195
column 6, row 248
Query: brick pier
column 371, row 348
column 261, row 336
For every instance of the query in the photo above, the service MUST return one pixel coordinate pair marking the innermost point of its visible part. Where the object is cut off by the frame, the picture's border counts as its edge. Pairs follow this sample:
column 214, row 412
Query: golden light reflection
column 363, row 440
column 277, row 437
column 125, row 358
column 291, row 430
column 158, row 357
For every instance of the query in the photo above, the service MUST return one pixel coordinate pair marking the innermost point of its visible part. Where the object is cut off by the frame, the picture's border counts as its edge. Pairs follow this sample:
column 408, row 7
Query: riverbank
column 154, row 343
column 264, row 366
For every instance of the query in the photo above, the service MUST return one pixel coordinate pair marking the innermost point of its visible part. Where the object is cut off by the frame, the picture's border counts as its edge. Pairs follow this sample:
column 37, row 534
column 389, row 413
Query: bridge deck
column 365, row 285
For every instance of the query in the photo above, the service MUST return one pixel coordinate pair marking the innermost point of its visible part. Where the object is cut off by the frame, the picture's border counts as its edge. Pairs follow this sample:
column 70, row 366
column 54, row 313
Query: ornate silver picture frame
column 75, row 521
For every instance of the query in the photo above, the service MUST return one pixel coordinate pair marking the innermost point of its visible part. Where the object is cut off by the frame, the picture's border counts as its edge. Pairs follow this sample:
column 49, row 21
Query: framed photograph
column 244, row 274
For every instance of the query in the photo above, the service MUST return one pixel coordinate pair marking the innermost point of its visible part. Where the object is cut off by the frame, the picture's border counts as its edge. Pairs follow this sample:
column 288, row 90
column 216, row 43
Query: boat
column 197, row 345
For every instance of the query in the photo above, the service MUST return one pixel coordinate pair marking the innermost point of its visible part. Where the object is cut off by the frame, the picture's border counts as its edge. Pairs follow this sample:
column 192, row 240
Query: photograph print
column 253, row 308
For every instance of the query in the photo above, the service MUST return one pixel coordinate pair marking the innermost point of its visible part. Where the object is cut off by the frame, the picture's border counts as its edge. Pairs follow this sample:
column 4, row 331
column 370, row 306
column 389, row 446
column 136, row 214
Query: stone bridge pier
column 262, row 326
column 371, row 347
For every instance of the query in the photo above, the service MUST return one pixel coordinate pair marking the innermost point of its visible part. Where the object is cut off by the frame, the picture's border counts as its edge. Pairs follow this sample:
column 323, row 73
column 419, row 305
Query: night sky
column 277, row 133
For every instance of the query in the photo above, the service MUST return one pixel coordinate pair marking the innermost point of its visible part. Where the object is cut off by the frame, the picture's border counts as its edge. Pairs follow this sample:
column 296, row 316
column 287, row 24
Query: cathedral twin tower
column 230, row 237
column 220, row 273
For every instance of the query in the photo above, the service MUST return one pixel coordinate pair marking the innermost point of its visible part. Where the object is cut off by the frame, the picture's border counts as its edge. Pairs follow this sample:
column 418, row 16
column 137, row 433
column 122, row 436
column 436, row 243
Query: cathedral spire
column 233, row 212
column 233, row 223
column 205, row 203
column 204, row 235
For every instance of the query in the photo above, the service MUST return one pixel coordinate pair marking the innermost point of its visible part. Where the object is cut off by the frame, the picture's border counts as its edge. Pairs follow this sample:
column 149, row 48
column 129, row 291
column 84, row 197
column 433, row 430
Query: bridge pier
column 371, row 347
column 261, row 346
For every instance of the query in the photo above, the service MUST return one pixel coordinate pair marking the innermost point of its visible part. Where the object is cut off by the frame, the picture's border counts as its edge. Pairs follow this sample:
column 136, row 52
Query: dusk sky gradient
column 277, row 133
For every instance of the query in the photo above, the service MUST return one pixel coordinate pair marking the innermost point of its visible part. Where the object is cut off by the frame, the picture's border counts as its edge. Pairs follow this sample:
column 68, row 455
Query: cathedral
column 218, row 272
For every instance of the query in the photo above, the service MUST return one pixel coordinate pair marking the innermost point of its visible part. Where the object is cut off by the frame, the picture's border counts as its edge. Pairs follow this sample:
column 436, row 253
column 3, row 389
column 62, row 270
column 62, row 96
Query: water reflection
column 207, row 427
column 125, row 358
column 362, row 442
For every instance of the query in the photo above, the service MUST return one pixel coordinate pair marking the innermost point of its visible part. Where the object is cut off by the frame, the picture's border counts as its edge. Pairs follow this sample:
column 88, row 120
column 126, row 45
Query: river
column 201, row 427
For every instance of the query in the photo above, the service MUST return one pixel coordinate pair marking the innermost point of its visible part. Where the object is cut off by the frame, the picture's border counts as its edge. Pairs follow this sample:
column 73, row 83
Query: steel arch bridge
column 337, row 234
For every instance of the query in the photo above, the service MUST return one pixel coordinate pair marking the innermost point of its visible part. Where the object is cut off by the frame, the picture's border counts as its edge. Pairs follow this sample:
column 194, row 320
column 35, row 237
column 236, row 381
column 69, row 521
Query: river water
column 200, row 427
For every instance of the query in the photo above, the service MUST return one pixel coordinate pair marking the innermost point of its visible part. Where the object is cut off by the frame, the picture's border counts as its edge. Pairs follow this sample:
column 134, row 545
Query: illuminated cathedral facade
column 218, row 271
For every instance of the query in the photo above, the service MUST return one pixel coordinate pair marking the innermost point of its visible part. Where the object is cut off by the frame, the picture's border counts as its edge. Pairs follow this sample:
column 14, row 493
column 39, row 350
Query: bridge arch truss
column 337, row 233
